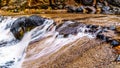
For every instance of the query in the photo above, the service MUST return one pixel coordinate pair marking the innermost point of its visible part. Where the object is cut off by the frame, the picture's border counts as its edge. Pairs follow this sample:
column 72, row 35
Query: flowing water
column 13, row 52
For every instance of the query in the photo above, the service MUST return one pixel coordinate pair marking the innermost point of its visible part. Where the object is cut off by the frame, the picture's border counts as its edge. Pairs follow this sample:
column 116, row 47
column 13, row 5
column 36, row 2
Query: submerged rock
column 1, row 18
column 10, row 63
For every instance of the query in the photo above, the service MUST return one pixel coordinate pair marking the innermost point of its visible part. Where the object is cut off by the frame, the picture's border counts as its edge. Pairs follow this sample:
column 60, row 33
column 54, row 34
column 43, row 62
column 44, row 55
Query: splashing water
column 12, row 51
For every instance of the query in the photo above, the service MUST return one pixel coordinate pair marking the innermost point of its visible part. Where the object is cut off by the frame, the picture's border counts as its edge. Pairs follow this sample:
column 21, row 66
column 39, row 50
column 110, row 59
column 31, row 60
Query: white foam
column 16, row 52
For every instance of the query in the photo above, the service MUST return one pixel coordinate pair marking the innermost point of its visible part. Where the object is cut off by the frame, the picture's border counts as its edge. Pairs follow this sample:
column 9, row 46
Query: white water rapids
column 13, row 52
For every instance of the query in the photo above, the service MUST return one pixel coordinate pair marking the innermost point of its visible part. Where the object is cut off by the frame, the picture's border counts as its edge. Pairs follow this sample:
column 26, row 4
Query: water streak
column 13, row 52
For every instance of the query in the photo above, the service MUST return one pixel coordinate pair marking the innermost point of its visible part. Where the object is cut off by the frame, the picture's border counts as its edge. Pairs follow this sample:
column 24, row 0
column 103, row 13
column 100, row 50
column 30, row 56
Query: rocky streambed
column 84, row 52
column 74, row 41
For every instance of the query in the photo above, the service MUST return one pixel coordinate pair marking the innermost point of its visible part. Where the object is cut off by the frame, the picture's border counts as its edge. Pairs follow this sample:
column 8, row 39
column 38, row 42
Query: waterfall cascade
column 13, row 51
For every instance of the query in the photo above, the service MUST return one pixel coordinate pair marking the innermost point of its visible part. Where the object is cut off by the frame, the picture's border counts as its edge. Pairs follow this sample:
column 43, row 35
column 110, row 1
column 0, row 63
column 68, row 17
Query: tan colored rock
column 118, row 29
column 83, row 53
column 117, row 49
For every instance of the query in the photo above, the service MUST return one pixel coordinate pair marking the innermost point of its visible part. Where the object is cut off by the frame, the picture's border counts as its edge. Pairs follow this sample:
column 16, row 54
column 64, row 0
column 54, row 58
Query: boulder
column 18, row 28
column 66, row 29
column 36, row 20
column 24, row 24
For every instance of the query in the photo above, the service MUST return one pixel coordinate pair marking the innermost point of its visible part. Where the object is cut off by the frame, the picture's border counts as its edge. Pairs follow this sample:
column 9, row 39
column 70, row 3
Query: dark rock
column 114, row 43
column 9, row 63
column 104, row 38
column 87, row 2
column 92, row 26
column 1, row 18
column 86, row 31
column 4, row 67
column 36, row 20
column 107, row 39
column 115, row 10
column 66, row 35
column 90, row 30
column 71, row 28
column 100, row 36
column 114, row 2
column 17, row 26
column 3, row 43
column 77, row 1
column 54, row 24
column 88, row 26
column 68, row 30
column 80, row 9
column 24, row 24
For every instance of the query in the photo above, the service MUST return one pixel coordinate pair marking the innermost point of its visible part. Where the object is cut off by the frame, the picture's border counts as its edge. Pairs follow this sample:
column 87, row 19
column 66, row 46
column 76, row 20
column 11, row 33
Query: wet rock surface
column 1, row 18
column 105, row 34
column 118, row 59
column 68, row 28
column 84, row 52
column 24, row 24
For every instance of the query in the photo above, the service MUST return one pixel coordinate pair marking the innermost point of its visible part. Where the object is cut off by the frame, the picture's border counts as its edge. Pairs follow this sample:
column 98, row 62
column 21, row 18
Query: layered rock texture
column 83, row 52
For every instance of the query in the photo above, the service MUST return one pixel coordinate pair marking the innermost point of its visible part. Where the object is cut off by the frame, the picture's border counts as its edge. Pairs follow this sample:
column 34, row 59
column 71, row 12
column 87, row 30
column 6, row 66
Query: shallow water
column 13, row 52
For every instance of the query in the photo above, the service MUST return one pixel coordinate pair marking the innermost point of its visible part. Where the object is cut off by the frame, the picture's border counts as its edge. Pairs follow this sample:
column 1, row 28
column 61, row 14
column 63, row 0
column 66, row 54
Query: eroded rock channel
column 40, row 42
